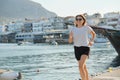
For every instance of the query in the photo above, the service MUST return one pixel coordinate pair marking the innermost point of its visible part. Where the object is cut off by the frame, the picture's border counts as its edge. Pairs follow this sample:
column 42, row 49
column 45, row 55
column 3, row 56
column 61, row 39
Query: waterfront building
column 112, row 18
column 69, row 21
column 34, row 37
column 37, row 26
column 93, row 19
column 15, row 27
column 57, row 22
column 7, row 37
column 27, row 27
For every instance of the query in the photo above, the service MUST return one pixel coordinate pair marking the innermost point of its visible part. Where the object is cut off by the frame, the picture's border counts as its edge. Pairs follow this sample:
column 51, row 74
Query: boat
column 113, row 36
column 53, row 42
column 9, row 75
column 24, row 43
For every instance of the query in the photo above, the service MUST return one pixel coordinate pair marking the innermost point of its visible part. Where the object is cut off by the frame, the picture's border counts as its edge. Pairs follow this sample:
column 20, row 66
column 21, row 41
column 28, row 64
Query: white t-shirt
column 80, row 35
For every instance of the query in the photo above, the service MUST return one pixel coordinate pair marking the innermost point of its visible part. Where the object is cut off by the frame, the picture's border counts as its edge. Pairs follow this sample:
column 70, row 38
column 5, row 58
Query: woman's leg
column 86, row 72
column 82, row 67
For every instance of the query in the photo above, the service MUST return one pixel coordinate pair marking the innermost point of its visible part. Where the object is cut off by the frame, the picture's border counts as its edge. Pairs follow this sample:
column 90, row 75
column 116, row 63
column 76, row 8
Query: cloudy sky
column 73, row 7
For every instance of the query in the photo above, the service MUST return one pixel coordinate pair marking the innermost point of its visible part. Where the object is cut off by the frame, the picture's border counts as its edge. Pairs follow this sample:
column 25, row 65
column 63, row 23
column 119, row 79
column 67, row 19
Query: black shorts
column 82, row 50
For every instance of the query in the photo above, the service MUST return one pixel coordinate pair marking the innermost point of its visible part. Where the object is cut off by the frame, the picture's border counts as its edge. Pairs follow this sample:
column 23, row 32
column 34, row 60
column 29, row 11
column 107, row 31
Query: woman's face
column 79, row 20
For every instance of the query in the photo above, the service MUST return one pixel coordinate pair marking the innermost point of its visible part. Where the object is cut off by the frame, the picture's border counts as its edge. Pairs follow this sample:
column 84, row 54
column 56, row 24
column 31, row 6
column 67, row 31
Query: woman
column 79, row 36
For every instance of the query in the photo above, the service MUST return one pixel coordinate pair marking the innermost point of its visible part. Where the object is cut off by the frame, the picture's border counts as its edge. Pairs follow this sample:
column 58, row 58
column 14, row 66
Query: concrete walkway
column 109, row 75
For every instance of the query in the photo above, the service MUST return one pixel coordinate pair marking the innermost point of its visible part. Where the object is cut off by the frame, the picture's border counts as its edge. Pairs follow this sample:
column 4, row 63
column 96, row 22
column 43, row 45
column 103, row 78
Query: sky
column 65, row 8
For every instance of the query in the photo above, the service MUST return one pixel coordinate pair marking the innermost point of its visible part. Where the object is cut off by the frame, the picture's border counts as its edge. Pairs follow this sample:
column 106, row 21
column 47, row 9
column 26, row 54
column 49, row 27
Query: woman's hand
column 91, row 43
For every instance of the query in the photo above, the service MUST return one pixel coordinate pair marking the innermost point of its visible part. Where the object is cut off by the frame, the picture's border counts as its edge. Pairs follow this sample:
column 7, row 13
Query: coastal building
column 42, row 26
column 24, row 37
column 112, row 19
column 102, row 22
column 27, row 27
column 7, row 37
column 57, row 22
column 59, row 36
column 48, row 24
column 69, row 21
column 39, row 30
column 93, row 19
column 34, row 37
column 14, row 27
column 37, row 26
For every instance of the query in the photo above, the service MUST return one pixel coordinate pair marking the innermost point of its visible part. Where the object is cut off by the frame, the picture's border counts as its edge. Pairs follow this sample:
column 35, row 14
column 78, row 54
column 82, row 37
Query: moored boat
column 24, row 43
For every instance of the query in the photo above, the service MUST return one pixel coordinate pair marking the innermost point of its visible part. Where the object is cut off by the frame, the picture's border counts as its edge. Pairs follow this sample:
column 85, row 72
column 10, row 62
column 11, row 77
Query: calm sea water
column 54, row 62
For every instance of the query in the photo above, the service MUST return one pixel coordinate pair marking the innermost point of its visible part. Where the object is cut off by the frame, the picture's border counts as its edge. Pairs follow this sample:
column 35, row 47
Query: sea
column 55, row 62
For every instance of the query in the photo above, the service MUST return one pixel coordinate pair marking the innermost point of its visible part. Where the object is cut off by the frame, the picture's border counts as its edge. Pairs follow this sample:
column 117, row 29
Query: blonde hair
column 83, row 17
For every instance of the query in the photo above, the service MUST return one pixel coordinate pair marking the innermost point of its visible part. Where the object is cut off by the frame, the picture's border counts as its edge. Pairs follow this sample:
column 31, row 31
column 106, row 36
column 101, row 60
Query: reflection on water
column 51, row 62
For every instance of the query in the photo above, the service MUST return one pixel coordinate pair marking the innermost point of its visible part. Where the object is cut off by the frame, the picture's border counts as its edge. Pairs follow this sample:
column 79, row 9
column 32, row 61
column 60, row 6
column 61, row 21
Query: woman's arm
column 70, row 40
column 93, row 35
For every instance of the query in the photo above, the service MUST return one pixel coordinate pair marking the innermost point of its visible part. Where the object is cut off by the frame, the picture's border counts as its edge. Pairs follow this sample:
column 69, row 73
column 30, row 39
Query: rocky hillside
column 23, row 9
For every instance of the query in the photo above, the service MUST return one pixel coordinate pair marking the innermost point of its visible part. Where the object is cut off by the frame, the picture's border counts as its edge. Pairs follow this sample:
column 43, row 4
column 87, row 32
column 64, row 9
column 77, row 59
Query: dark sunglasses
column 79, row 19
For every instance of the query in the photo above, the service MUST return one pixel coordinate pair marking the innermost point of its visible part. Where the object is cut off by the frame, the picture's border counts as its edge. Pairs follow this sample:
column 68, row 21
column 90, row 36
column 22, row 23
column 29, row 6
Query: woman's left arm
column 93, row 35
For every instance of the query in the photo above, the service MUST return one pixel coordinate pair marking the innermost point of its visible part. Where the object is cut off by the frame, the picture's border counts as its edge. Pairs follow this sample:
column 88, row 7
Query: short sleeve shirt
column 80, row 35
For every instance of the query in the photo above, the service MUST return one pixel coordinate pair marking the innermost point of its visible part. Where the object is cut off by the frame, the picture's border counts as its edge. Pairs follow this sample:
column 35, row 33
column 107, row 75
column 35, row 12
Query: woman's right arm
column 70, row 40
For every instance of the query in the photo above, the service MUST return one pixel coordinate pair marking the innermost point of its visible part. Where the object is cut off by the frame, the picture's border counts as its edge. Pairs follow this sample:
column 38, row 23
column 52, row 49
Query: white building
column 57, row 22
column 37, row 26
column 93, row 19
column 15, row 27
column 42, row 26
column 69, row 22
column 49, row 24
column 112, row 18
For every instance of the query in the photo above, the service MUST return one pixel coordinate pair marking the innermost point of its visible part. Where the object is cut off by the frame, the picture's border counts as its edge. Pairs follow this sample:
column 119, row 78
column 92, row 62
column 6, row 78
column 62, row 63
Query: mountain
column 23, row 9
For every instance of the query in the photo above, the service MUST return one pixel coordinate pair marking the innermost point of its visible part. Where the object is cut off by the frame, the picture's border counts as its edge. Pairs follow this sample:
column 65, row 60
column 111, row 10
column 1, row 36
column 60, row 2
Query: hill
column 23, row 9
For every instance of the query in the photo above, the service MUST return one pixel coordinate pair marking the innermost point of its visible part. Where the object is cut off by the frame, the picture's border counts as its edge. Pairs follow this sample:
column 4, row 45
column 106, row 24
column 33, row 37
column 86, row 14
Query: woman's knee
column 81, row 65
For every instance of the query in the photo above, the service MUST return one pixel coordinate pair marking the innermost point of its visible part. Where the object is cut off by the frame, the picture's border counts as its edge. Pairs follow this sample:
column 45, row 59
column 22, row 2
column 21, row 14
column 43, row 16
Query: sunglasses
column 79, row 19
